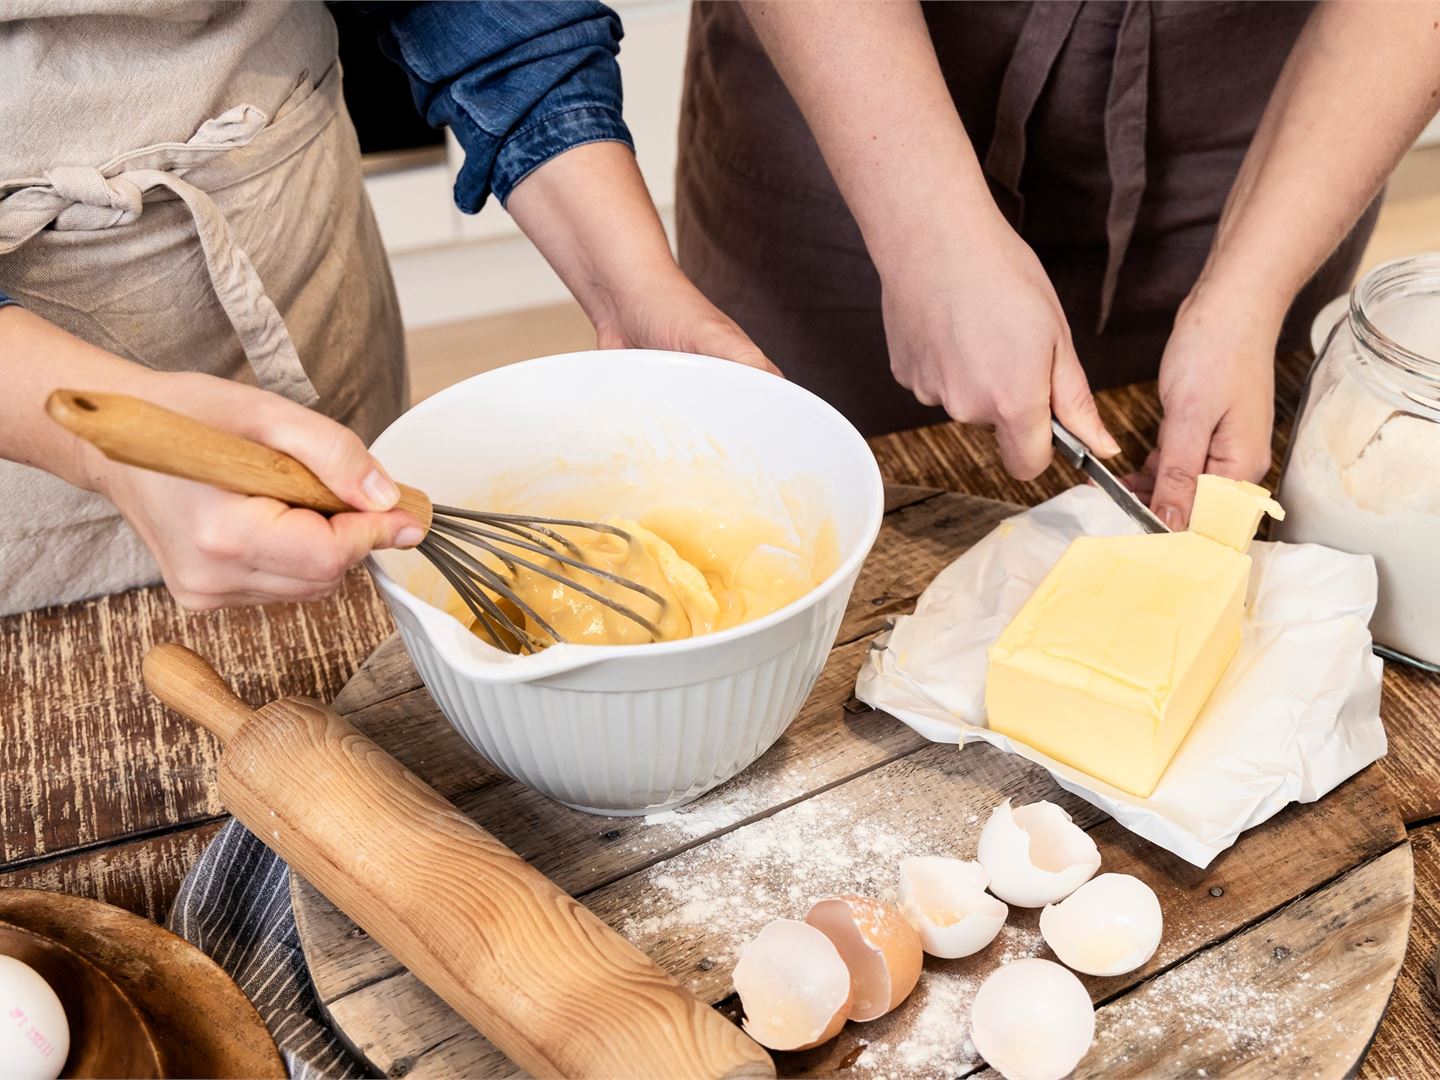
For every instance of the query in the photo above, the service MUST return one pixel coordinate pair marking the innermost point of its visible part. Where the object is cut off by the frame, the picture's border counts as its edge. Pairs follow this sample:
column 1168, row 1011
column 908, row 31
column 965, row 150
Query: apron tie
column 1126, row 105
column 94, row 202
column 82, row 198
column 1047, row 27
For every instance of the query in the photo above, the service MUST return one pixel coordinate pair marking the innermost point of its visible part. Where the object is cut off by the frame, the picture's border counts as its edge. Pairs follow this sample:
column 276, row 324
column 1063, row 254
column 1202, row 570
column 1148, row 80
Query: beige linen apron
column 186, row 193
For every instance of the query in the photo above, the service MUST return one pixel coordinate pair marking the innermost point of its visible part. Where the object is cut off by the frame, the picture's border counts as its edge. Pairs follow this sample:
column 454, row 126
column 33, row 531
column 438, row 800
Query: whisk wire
column 482, row 537
column 495, row 583
column 533, row 531
column 483, row 606
column 571, row 583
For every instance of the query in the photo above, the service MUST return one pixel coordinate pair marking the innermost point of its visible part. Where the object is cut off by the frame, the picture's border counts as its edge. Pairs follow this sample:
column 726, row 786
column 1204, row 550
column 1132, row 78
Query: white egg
column 794, row 986
column 1035, row 855
column 1032, row 1020
column 34, row 1034
column 945, row 900
column 1108, row 926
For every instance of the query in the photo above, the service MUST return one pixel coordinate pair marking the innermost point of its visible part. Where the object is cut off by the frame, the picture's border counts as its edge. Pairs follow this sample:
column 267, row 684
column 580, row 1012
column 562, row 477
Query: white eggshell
column 1035, row 855
column 794, row 986
column 1032, row 1020
column 946, row 902
column 34, row 1034
column 1108, row 926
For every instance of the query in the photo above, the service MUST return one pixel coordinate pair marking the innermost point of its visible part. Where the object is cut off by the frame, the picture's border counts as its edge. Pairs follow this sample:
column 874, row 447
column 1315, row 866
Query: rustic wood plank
column 1297, row 995
column 692, row 912
column 141, row 875
column 1410, row 707
column 1408, row 1043
column 1201, row 907
column 959, row 457
column 89, row 757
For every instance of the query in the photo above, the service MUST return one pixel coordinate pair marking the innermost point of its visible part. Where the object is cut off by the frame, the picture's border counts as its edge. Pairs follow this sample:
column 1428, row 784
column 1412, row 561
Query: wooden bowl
column 109, row 1036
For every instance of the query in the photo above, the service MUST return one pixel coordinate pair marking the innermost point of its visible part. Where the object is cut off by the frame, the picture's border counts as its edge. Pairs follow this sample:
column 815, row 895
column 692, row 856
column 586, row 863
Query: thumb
column 727, row 341
column 1184, row 444
column 331, row 451
column 1074, row 405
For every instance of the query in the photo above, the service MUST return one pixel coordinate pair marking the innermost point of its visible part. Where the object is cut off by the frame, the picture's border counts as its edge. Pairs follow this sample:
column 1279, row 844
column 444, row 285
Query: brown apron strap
column 1046, row 29
column 1126, row 105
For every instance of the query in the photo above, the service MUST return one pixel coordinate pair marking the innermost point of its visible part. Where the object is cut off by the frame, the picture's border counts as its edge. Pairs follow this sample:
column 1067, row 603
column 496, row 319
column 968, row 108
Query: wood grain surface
column 506, row 948
column 1408, row 1043
column 854, row 772
column 106, row 795
column 203, row 1023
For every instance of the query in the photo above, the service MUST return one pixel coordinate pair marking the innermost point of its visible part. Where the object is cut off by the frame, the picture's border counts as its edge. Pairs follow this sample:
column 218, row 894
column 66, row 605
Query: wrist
column 941, row 220
column 1230, row 308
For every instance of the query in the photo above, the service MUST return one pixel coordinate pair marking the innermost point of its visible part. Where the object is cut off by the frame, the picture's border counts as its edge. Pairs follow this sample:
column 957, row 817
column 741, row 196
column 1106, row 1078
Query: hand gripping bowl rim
column 444, row 631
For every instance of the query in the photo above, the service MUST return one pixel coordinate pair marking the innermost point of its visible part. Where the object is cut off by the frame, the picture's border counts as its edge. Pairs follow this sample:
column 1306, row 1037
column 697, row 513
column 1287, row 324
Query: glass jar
column 1363, row 471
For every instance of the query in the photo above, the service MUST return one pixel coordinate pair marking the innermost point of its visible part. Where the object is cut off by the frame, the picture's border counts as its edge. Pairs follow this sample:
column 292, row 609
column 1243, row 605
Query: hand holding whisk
column 478, row 552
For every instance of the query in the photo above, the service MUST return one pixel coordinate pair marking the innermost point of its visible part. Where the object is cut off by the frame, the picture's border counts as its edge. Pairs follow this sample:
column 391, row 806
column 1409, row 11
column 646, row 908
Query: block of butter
column 1107, row 665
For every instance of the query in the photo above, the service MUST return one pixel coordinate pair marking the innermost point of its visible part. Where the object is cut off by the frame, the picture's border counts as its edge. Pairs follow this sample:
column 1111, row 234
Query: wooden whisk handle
column 150, row 436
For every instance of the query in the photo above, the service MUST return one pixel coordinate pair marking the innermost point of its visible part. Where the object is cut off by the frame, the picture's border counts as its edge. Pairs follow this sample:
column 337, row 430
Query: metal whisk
column 136, row 432
column 470, row 577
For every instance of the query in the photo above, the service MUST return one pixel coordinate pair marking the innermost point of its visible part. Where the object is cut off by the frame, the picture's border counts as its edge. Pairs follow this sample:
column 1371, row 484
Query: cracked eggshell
column 1108, row 926
column 1035, row 855
column 879, row 947
column 793, row 985
column 946, row 902
column 1032, row 1020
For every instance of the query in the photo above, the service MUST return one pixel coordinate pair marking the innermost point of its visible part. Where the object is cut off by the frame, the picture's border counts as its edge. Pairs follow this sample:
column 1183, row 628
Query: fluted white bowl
column 632, row 729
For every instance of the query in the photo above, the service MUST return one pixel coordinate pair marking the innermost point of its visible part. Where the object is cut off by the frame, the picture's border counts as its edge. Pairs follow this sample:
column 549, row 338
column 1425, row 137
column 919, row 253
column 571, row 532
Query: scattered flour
column 707, row 901
column 713, row 898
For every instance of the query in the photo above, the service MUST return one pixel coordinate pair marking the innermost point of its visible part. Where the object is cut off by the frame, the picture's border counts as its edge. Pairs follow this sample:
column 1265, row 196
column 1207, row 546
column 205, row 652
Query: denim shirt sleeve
column 6, row 299
column 517, row 82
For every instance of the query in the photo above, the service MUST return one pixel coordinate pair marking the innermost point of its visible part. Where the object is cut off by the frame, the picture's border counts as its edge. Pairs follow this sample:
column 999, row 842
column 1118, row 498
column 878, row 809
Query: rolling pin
column 536, row 972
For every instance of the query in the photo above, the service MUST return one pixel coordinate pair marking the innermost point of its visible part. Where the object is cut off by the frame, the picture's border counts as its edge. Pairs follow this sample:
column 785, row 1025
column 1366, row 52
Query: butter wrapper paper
column 1296, row 713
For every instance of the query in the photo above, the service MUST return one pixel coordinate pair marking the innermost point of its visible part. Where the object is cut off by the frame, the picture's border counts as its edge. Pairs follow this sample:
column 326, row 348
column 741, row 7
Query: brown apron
column 183, row 189
column 1110, row 134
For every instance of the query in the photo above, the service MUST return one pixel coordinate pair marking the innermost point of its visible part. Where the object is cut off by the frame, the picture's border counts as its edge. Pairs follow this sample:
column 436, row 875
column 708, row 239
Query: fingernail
column 1109, row 447
column 1170, row 516
column 380, row 490
column 409, row 536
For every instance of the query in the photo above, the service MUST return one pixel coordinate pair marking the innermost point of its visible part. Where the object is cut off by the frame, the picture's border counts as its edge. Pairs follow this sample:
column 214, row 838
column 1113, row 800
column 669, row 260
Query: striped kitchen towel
column 235, row 906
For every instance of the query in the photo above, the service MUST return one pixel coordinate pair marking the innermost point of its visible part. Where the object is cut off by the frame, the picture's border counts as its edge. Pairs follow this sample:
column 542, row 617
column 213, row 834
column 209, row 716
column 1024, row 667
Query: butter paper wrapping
column 1296, row 713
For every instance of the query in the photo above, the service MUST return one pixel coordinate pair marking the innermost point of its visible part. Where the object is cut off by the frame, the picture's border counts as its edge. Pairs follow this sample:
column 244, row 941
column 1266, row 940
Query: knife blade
column 1078, row 454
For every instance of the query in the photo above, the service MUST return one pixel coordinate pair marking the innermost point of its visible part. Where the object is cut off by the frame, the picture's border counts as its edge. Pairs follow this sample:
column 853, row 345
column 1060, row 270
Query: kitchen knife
column 1079, row 455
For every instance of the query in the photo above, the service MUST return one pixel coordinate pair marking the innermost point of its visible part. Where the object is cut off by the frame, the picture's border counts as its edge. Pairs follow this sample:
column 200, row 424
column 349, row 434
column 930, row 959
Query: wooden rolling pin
column 535, row 971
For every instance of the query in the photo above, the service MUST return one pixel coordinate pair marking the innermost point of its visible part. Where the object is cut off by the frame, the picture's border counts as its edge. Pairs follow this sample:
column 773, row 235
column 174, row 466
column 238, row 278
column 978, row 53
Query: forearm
column 589, row 213
column 36, row 357
column 1359, row 85
column 866, row 77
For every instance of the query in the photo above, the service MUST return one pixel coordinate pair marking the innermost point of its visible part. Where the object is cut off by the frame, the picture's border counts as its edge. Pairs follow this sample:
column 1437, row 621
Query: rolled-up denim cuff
column 4, row 300
column 540, row 140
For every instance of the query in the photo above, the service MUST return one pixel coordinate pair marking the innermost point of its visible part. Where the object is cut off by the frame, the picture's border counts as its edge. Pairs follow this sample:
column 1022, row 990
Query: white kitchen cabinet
column 450, row 266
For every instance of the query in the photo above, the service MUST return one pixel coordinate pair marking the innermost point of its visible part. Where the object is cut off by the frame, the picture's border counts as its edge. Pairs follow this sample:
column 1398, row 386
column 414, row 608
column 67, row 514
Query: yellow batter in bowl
column 714, row 571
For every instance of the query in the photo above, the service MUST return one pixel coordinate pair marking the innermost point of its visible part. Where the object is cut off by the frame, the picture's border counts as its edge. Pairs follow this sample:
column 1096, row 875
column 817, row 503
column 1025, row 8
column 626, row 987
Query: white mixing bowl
column 640, row 728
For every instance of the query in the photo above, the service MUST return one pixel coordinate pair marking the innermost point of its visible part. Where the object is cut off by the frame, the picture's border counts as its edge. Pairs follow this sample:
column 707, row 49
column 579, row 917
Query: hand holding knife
column 1079, row 455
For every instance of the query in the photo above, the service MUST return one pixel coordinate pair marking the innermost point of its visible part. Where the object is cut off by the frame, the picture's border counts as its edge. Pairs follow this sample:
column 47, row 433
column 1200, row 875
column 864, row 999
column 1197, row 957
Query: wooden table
column 108, row 796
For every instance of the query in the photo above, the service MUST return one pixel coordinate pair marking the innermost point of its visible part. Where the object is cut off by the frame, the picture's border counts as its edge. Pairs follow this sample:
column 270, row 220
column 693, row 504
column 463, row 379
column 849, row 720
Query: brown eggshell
column 881, row 949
